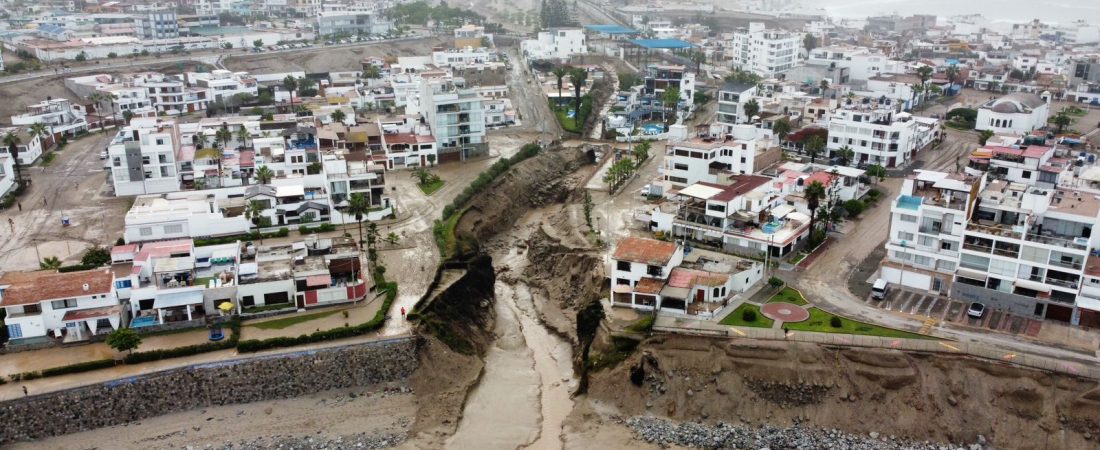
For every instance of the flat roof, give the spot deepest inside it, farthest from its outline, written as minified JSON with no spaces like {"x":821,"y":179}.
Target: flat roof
{"x":646,"y":251}
{"x":662,"y":43}
{"x":611,"y":29}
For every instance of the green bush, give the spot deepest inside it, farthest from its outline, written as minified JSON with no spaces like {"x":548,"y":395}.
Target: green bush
{"x":79,"y":367}
{"x":748,"y":315}
{"x":255,"y":345}
{"x":854,"y":207}
{"x":835,"y":322}
{"x":775,"y":282}
{"x":76,"y":268}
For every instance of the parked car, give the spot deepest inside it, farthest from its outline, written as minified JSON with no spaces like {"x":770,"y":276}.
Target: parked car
{"x":976,"y":310}
{"x":103,"y":154}
{"x":880,"y":289}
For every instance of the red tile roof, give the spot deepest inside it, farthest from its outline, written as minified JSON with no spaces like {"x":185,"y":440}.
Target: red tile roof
{"x":740,"y":185}
{"x":649,"y":286}
{"x":35,"y":287}
{"x":825,"y":178}
{"x":646,"y":251}
{"x":689,"y":278}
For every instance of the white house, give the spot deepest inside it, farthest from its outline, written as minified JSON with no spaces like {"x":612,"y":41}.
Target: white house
{"x":689,"y":162}
{"x":878,"y":132}
{"x":558,"y":45}
{"x":1017,"y":113}
{"x":69,"y":307}
{"x":639,"y":268}
{"x":29,"y":150}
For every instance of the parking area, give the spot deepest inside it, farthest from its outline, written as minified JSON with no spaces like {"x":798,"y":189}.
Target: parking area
{"x":939,"y":308}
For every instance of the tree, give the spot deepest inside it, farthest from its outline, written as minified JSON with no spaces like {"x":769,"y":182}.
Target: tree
{"x":671,"y":97}
{"x":815,"y":192}
{"x":82,"y":57}
{"x":372,"y":242}
{"x":814,"y":145}
{"x":560,"y":72}
{"x":952,"y":73}
{"x":96,"y":256}
{"x":372,"y":72}
{"x":752,"y":108}
{"x":127,"y":116}
{"x":578,"y":76}
{"x":1062,"y":120}
{"x":358,"y":206}
{"x":49,"y":263}
{"x":242,"y":135}
{"x":809,"y":42}
{"x":124,"y":340}
{"x":290,"y":84}
{"x":781,"y":128}
{"x":94,"y":98}
{"x":824,"y":85}
{"x":984,"y":136}
{"x":587,"y":209}
{"x":876,"y":172}
{"x":338,"y":116}
{"x":641,"y":151}
{"x":253,"y":211}
{"x":40,"y":130}
{"x":258,"y":43}
{"x":393,"y":238}
{"x":924,"y":74}
{"x":223,"y":135}
{"x":13,"y":142}
{"x":264,"y":175}
{"x":917,"y":90}
{"x":847,"y":154}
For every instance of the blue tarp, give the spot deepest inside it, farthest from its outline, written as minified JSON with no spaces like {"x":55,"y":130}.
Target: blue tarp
{"x":611,"y":29}
{"x":661,"y":43}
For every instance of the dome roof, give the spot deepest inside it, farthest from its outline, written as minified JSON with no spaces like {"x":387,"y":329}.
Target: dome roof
{"x":1014,"y":103}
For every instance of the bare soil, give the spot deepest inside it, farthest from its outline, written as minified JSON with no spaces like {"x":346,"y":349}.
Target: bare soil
{"x":328,"y":59}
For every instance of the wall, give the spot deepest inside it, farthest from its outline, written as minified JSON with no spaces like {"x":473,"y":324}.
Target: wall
{"x":1015,"y":304}
{"x":206,"y":385}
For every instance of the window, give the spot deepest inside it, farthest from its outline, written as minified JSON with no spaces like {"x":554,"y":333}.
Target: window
{"x":122,"y":284}
{"x":655,"y":271}
{"x":173,"y":229}
{"x":145,"y":231}
{"x":62,"y":304}
{"x":32,"y":309}
{"x":908,"y":218}
{"x":623,"y":265}
{"x":905,"y":236}
{"x":15,"y":331}
{"x":1026,"y":175}
{"x":679,"y":166}
{"x":717,"y":293}
{"x":622,"y":282}
{"x":922,"y":260}
{"x":927,"y":241}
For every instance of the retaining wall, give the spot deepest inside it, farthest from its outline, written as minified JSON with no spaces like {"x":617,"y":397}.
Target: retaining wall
{"x":206,"y":385}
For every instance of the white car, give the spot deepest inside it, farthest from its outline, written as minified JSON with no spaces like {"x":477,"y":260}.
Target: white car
{"x":103,"y":154}
{"x":977,"y":310}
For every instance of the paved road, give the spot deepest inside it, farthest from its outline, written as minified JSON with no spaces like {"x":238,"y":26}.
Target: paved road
{"x":832,"y":269}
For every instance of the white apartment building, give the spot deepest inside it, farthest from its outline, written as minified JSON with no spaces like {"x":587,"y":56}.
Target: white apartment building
{"x":1017,"y":113}
{"x":927,"y":222}
{"x":708,"y":160}
{"x":185,"y":215}
{"x":59,"y":114}
{"x":732,"y":97}
{"x":157,"y":24}
{"x":351,"y":23}
{"x":29,"y":150}
{"x":556,"y":45}
{"x":142,"y":157}
{"x":878,"y":132}
{"x":7,"y":174}
{"x":68,"y":307}
{"x":223,"y":84}
{"x":862,"y":63}
{"x":456,"y":117}
{"x":764,"y":52}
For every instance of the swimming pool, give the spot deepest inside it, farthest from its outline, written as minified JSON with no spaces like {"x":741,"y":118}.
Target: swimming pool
{"x":143,"y":321}
{"x":772,"y":227}
{"x":651,"y":129}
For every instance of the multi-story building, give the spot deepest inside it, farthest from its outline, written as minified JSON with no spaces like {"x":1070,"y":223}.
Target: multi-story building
{"x":142,"y":157}
{"x":732,"y":98}
{"x":186,"y":215}
{"x":1017,"y":113}
{"x":223,"y":84}
{"x":660,"y":78}
{"x":456,"y":118}
{"x":29,"y":149}
{"x":878,"y":132}
{"x":68,"y":307}
{"x":708,"y":160}
{"x":928,"y":219}
{"x":862,"y":63}
{"x":639,"y":268}
{"x":764,"y":52}
{"x":472,"y":36}
{"x":59,"y":114}
{"x":7,"y":174}
{"x":897,"y":24}
{"x":157,"y":24}
{"x":555,"y":45}
{"x":352,"y":23}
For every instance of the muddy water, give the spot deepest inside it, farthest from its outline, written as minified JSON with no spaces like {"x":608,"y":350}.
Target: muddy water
{"x":523,"y":397}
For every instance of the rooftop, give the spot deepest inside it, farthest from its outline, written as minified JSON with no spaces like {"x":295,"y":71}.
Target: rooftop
{"x":646,"y":251}
{"x":611,"y":29}
{"x":34,"y":287}
{"x":662,"y":44}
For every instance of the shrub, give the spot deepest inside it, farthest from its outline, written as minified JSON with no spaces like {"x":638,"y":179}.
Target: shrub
{"x":96,"y":256}
{"x":748,"y":315}
{"x":76,"y":268}
{"x":775,"y":282}
{"x":79,"y":367}
{"x":854,"y":207}
{"x":835,"y":322}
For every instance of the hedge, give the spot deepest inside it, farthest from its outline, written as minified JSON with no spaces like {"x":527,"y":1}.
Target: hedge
{"x":323,"y":228}
{"x":79,"y":367}
{"x":76,"y":268}
{"x":189,"y":350}
{"x":251,"y":236}
{"x":255,"y":345}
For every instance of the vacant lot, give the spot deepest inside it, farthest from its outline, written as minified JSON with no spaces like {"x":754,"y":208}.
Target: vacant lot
{"x":328,"y":59}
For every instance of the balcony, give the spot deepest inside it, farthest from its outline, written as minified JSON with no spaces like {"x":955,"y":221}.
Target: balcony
{"x":994,"y":229}
{"x":1066,"y":264}
{"x":977,"y":247}
{"x":1062,"y":283}
{"x":1057,"y":241}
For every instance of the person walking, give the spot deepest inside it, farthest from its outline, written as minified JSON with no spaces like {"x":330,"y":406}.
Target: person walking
{"x":402,"y":312}
{"x":25,"y":391}
{"x":20,"y":205}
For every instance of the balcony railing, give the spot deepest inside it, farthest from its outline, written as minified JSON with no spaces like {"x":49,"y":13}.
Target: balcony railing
{"x":1062,"y":283}
{"x":996,"y":230}
{"x":1066,"y":264}
{"x":1056,"y":241}
{"x":977,"y":248}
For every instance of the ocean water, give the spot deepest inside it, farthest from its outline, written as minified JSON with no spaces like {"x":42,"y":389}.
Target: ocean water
{"x":1058,"y":11}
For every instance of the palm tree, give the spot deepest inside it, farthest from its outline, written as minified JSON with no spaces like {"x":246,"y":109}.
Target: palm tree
{"x":49,"y":263}
{"x":781,"y":128}
{"x":876,"y":172}
{"x":1062,"y":120}
{"x":671,"y":97}
{"x":338,"y":116}
{"x":40,"y":130}
{"x":290,"y":84}
{"x":847,"y":154}
{"x":641,"y":151}
{"x":560,"y":72}
{"x":358,"y":206}
{"x":814,"y":145}
{"x":814,"y":193}
{"x":94,"y":98}
{"x":127,"y":116}
{"x":13,"y":141}
{"x":264,"y":175}
{"x":917,"y":89}
{"x":578,"y":76}
{"x":199,"y":139}
{"x":752,"y":108}
{"x":243,"y":135}
{"x":223,"y":135}
{"x":253,"y":211}
{"x":372,"y":72}
{"x":952,"y":73}
{"x":924,"y":74}
{"x":824,"y":86}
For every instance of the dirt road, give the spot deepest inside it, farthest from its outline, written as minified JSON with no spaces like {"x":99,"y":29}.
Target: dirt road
{"x":74,"y":185}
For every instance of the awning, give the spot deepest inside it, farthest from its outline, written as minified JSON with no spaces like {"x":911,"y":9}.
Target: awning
{"x":178,"y":299}
{"x":1026,"y":284}
{"x":781,"y":211}
{"x":700,"y":191}
{"x":972,"y":274}
{"x":1090,"y":304}
{"x":91,"y":313}
{"x":318,"y":280}
{"x":675,"y":292}
{"x":248,"y":269}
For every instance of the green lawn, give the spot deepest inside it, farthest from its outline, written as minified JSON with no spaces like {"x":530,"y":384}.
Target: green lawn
{"x":735,"y":318}
{"x":272,"y":307}
{"x":48,"y":158}
{"x":798,"y":258}
{"x":203,"y":281}
{"x":445,"y":235}
{"x":279,"y":324}
{"x":567,"y":123}
{"x":819,"y":322}
{"x":430,"y":188}
{"x":788,"y":295}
